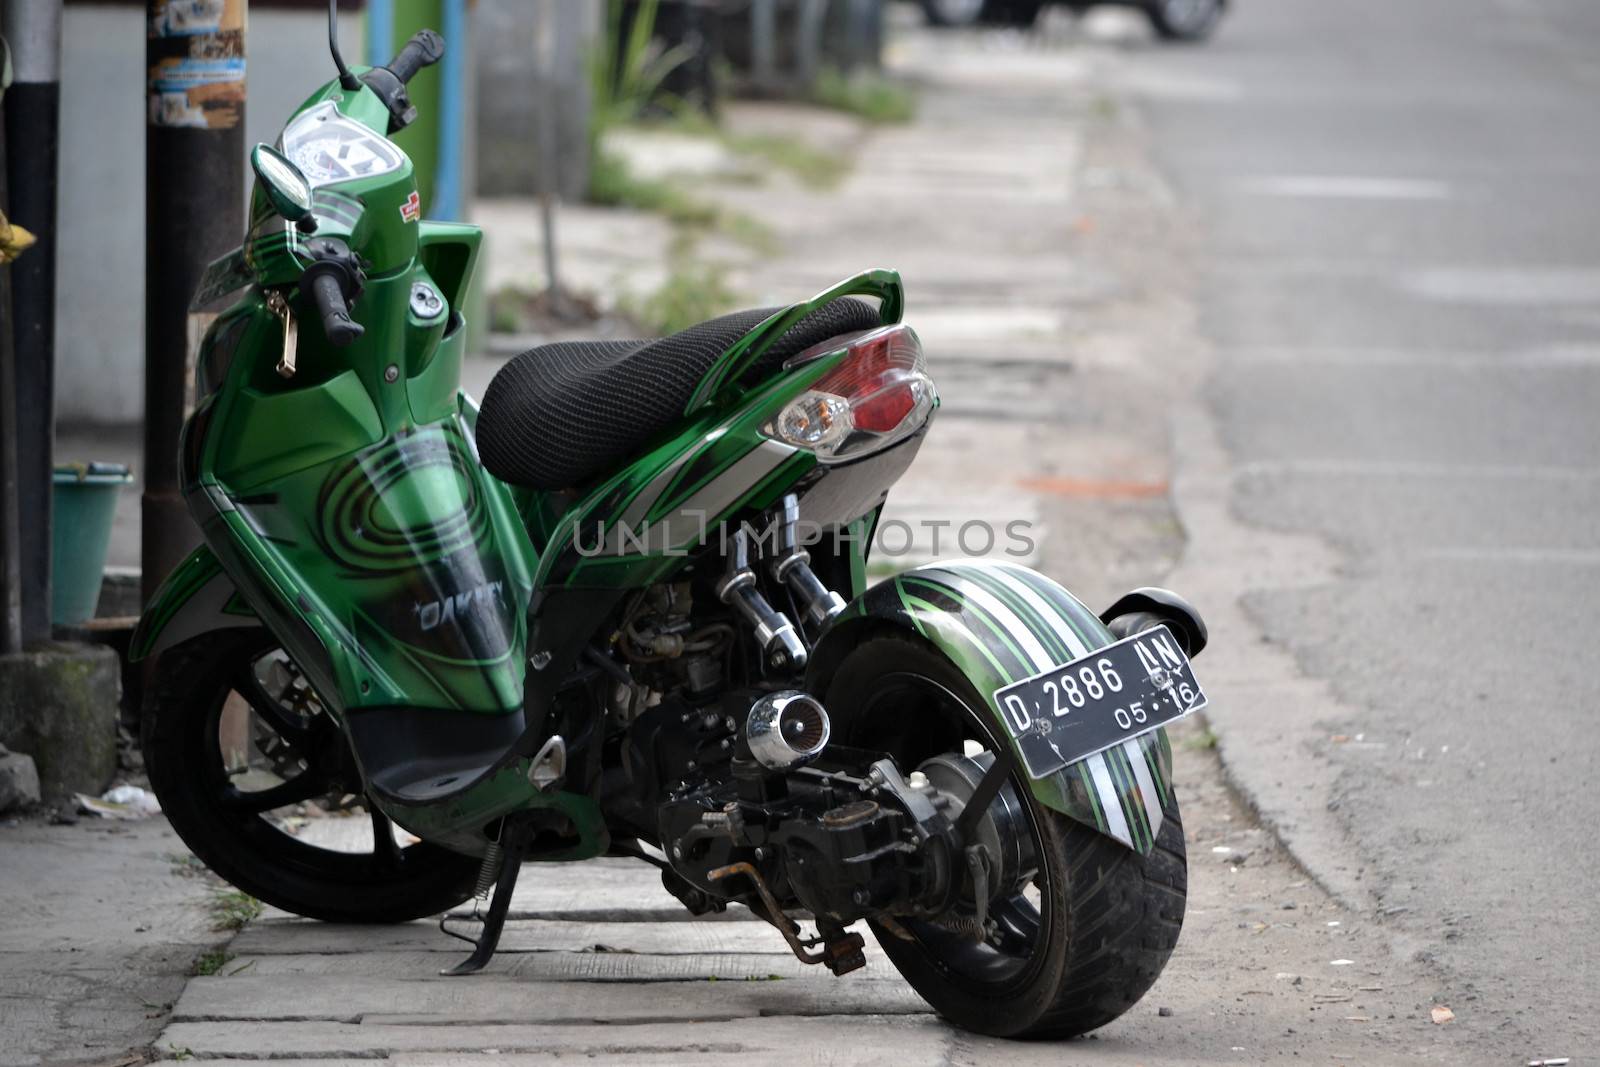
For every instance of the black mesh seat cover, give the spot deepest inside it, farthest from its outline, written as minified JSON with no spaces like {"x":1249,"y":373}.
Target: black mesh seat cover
{"x":559,"y":415}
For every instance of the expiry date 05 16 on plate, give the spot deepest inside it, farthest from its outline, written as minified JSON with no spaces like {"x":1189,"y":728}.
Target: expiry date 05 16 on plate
{"x":1073,"y":711}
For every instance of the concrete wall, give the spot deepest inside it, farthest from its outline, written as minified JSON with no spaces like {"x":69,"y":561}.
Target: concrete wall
{"x":100,"y":301}
{"x":518,"y":71}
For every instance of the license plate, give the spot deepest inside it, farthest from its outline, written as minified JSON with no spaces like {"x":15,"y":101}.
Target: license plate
{"x":1073,"y":711}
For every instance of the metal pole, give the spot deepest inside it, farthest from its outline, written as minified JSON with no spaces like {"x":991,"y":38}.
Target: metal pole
{"x":10,"y":553}
{"x":548,"y":165}
{"x":194,"y":172}
{"x":32,"y":119}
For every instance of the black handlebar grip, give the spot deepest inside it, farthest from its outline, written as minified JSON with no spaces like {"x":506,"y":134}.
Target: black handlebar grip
{"x":340,"y":328}
{"x":423,"y":50}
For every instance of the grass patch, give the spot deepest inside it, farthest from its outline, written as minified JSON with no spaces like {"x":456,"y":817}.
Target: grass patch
{"x":866,"y":95}
{"x":186,"y":864}
{"x":505,"y":309}
{"x":210,"y":962}
{"x":1203,"y":741}
{"x":612,"y":184}
{"x":231,"y":909}
{"x":692,"y":293}
{"x":813,"y":166}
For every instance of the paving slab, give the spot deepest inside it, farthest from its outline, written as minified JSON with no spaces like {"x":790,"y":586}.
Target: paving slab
{"x":498,"y":998}
{"x":866,"y":1040}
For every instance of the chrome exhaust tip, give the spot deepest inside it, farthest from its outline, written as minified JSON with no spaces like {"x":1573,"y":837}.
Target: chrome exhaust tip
{"x":786,"y":729}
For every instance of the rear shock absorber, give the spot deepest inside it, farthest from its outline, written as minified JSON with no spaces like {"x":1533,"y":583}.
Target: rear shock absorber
{"x":780,"y":642}
{"x":792,"y":567}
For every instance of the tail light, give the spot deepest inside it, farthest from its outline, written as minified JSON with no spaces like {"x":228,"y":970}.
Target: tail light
{"x":878,"y":395}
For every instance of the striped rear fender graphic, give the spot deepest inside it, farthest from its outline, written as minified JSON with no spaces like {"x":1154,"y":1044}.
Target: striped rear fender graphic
{"x":999,"y":623}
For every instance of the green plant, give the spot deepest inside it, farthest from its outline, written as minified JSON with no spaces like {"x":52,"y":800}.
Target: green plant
{"x":210,"y":962}
{"x":623,"y":74}
{"x":507,"y":309}
{"x":231,"y":909}
{"x":867,"y":95}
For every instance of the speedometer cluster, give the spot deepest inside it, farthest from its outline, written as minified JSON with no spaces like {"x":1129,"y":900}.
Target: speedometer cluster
{"x":329,"y":148}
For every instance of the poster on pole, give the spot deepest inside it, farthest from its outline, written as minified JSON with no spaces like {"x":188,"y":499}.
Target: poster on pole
{"x":196,"y":56}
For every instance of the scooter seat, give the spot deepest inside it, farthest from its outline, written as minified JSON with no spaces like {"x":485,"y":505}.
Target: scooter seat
{"x":560,"y":415}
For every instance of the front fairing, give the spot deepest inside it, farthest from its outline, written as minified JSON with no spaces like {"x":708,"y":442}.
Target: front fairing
{"x":347,"y":501}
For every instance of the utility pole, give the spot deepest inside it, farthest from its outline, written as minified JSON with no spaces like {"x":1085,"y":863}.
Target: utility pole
{"x":194,"y":212}
{"x":10,"y":522}
{"x":32,"y":108}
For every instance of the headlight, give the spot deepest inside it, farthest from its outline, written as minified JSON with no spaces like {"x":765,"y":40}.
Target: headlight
{"x":329,"y":148}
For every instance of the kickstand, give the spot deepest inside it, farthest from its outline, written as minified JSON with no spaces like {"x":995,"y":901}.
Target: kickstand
{"x":514,"y":840}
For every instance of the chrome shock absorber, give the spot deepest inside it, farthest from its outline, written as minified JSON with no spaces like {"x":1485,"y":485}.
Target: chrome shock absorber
{"x":780,"y":642}
{"x":792,"y":567}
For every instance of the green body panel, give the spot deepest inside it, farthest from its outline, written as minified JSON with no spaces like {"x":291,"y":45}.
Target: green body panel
{"x":999,"y":623}
{"x":182,"y":607}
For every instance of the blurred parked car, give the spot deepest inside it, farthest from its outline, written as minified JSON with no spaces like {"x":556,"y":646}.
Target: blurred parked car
{"x":1174,"y":20}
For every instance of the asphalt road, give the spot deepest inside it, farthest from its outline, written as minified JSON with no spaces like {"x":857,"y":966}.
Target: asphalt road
{"x":1398,"y":207}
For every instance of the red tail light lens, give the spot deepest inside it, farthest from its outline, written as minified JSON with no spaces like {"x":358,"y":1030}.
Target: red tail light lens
{"x":878,"y":395}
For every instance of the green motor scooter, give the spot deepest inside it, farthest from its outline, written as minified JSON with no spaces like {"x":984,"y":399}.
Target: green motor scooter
{"x":622,"y":609}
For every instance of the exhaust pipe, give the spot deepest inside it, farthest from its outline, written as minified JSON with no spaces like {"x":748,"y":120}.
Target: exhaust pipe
{"x":786,"y":729}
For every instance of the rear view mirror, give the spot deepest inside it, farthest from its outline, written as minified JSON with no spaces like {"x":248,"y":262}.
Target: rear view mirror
{"x":287,"y":189}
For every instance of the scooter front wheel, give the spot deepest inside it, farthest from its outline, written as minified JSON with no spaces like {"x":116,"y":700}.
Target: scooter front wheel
{"x":248,"y":768}
{"x":1085,"y":925}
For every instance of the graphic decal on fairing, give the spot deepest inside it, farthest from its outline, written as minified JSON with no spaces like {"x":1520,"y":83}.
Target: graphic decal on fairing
{"x":404,"y":546}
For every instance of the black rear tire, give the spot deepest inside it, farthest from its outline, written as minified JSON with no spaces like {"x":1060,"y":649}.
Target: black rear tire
{"x":184,"y":760}
{"x":1108,"y":918}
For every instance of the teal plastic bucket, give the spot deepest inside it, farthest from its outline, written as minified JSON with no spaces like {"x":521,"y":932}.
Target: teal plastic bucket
{"x":85,"y":504}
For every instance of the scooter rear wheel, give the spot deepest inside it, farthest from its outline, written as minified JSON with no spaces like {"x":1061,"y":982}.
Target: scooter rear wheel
{"x":1089,"y":926}
{"x":235,"y":810}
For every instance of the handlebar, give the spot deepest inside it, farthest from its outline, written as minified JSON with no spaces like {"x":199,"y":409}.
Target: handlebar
{"x":340,"y":328}
{"x":332,"y":282}
{"x":423,"y":50}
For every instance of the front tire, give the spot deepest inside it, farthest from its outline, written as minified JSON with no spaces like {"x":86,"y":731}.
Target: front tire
{"x":239,"y":832}
{"x":1091,"y":933}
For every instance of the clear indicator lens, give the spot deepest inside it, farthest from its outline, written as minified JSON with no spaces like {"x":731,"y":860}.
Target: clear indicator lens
{"x":815,"y":420}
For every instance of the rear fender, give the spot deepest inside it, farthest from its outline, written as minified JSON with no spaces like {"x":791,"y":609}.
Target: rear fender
{"x":999,"y":623}
{"x":197,"y":597}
